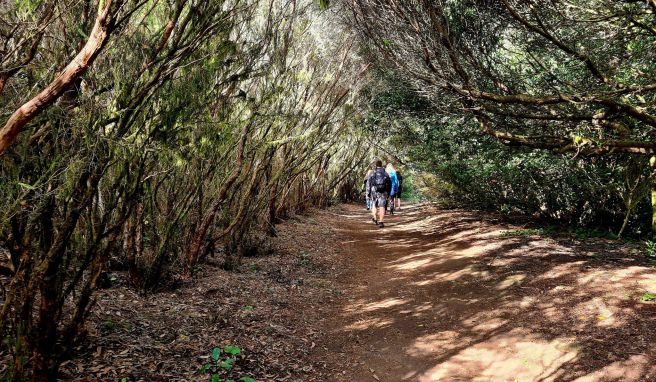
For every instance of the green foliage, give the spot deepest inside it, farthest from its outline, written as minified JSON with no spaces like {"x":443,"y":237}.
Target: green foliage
{"x":231,"y":349}
{"x":410,"y":193}
{"x":156,"y":158}
{"x":304,"y":259}
{"x":650,"y":249}
{"x":648,"y":297}
{"x":216,"y":354}
{"x":455,"y":164}
{"x":109,"y":325}
{"x":223,"y":365}
{"x":27,"y":6}
{"x":323,"y":4}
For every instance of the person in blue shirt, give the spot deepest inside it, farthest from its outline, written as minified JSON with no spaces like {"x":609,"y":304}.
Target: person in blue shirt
{"x":395,"y":186}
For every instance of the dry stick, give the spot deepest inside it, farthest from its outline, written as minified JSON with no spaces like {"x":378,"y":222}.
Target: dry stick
{"x":76,"y":68}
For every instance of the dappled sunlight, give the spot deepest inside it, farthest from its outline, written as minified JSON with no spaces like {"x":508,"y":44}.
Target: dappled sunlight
{"x":648,"y":283}
{"x":418,"y":309}
{"x":413,"y":264}
{"x":559,"y":271}
{"x":372,"y":323}
{"x":514,"y":356}
{"x":370,"y":307}
{"x":452,"y":276}
{"x":490,"y":325}
{"x":633,"y":369}
{"x":630,"y":272}
{"x":457,"y":302}
{"x":434,"y":344}
{"x":510,"y":281}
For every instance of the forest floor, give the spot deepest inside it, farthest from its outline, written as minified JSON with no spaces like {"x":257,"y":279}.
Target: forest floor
{"x":437,"y":295}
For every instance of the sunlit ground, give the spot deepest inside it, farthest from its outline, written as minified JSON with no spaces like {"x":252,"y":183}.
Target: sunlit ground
{"x":448,"y":298}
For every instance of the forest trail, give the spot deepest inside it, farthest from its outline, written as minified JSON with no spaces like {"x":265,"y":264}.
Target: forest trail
{"x":447,"y":296}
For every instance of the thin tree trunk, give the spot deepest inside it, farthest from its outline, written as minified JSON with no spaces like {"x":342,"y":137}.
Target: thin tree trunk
{"x":201,"y":231}
{"x":652,"y":181}
{"x":76,"y":68}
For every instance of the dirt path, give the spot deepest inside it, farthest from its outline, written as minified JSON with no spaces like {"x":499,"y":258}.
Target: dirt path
{"x":444,"y":296}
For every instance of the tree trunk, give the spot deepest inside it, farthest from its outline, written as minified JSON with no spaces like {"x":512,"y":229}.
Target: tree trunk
{"x":76,"y":68}
{"x":652,"y":181}
{"x":201,"y":231}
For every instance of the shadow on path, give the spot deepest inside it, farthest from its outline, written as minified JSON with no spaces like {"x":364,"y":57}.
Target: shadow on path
{"x":442,"y":296}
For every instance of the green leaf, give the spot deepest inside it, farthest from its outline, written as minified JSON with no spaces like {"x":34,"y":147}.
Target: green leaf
{"x":26,"y":186}
{"x":247,"y":379}
{"x":124,"y":379}
{"x":216,"y":378}
{"x":234,"y":350}
{"x":204,"y":368}
{"x":216,"y":353}
{"x":648,"y":297}
{"x":227,"y":364}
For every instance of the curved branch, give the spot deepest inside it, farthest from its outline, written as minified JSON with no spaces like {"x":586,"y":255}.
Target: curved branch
{"x":75,"y":69}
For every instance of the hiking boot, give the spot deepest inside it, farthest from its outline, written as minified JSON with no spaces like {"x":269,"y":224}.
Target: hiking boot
{"x":375,"y":221}
{"x":381,"y":225}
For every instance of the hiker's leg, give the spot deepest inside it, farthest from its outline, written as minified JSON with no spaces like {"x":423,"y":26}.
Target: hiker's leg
{"x":381,"y":212}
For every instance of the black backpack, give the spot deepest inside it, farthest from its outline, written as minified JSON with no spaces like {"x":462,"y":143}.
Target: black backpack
{"x":381,"y":181}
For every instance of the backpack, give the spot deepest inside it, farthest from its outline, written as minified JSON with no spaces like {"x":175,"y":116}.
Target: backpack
{"x":381,"y":181}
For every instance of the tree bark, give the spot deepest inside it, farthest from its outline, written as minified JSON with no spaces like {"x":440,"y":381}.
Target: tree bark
{"x":75,"y":69}
{"x":652,"y":173}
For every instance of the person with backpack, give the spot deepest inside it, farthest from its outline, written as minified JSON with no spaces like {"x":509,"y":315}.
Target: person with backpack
{"x":394,"y":189}
{"x":400,"y":190}
{"x":380,"y":186}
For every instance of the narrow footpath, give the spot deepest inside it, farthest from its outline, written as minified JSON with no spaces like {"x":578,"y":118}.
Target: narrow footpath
{"x":456,"y":296}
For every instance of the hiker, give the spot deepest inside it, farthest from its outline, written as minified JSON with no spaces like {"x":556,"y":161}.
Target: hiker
{"x":380,"y":186}
{"x":367,"y":189}
{"x":400,"y":190}
{"x":394,"y":189}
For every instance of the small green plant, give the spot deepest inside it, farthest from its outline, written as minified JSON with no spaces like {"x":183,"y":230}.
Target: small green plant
{"x":304,"y":259}
{"x":222,"y":367}
{"x":650,"y":249}
{"x":249,"y":308}
{"x":109,"y":325}
{"x":648,"y":297}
